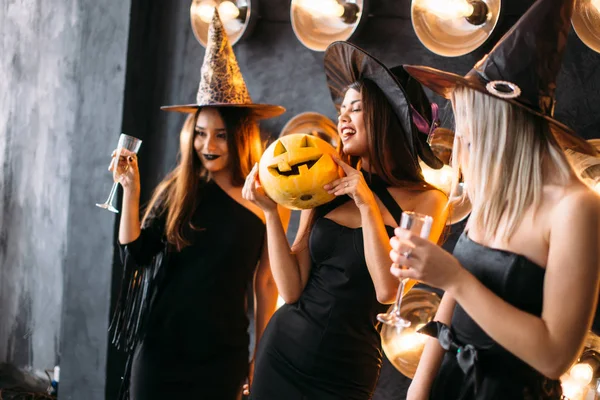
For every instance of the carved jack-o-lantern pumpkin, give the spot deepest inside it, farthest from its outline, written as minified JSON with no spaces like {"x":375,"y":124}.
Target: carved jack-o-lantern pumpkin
{"x":294,"y":169}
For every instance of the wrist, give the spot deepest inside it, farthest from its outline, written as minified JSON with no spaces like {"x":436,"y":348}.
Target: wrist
{"x":131,"y":195}
{"x":461,"y":280}
{"x":271,"y":213}
{"x":368,"y":208}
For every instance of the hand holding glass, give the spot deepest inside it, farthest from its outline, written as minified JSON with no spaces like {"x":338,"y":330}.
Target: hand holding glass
{"x":125,"y":142}
{"x":421,"y":225}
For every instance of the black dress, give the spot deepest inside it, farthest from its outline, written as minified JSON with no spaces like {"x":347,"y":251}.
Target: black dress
{"x":327,"y":346}
{"x":475,"y":366}
{"x":195,"y":343}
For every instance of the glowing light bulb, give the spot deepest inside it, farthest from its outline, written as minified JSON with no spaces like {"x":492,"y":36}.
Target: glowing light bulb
{"x":448,"y":9}
{"x":596,"y":3}
{"x":440,"y":178}
{"x":322,"y":8}
{"x":412,"y":341}
{"x":228,"y":11}
{"x":572,"y":390}
{"x":204,"y":10}
{"x":582,"y":373}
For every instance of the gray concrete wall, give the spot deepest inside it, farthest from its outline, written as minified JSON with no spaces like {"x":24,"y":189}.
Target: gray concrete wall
{"x":61,"y":95}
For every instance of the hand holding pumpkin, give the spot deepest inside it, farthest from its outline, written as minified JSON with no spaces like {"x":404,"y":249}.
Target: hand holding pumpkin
{"x":353,"y":184}
{"x":254,"y":192}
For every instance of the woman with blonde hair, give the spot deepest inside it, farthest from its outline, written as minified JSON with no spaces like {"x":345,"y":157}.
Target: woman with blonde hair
{"x":182,"y":312}
{"x":522,"y":283}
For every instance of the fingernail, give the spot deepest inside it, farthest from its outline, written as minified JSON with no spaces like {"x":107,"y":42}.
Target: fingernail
{"x":326,"y":187}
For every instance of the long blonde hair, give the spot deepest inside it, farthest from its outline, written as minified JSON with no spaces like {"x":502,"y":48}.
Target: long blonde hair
{"x":508,"y":151}
{"x":178,"y":195}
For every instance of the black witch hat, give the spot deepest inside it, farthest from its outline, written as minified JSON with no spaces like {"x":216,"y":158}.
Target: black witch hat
{"x":346,"y":63}
{"x":521,"y":69}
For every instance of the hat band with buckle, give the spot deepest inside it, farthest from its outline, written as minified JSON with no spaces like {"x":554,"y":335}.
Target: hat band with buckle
{"x":503,"y":89}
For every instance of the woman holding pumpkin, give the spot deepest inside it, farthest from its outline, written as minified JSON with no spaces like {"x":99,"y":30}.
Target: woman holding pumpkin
{"x":522,"y":283}
{"x":324,"y":344}
{"x":182,"y":312}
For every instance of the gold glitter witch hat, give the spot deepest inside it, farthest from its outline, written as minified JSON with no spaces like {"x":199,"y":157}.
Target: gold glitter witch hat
{"x":221,"y":81}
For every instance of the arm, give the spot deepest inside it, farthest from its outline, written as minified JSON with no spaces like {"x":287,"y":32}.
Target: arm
{"x":435,"y":204}
{"x":265,"y":290}
{"x":551,"y":343}
{"x":265,"y":295}
{"x":129,"y":178}
{"x":290,"y":266}
{"x":290,"y":269}
{"x":377,"y":242}
{"x":432,"y":355}
{"x":141,"y":244}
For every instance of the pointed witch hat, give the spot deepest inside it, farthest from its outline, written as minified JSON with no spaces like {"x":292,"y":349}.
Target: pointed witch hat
{"x":424,"y":116}
{"x":221,"y":81}
{"x":521,"y":69}
{"x":346,"y":63}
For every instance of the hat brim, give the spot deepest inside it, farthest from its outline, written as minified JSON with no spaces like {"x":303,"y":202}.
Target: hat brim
{"x":258,"y":111}
{"x":444,"y":83}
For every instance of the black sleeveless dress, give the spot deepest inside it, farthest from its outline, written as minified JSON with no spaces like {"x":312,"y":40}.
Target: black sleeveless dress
{"x":195,"y":344}
{"x":327,"y":346}
{"x":475,"y":366}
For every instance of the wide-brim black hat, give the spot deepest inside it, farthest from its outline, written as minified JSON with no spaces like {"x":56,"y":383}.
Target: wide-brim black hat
{"x":521,"y":69}
{"x":346,"y":63}
{"x":221,"y":81}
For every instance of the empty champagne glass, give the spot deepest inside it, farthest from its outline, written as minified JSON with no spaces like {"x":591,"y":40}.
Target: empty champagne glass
{"x":421,"y":225}
{"x":125,"y":142}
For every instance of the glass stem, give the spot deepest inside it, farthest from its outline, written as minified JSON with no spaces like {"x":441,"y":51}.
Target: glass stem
{"x":399,"y":296}
{"x":113,"y":190}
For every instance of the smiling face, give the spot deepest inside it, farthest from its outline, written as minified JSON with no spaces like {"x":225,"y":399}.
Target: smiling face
{"x":351,"y":125}
{"x":210,"y":140}
{"x":294,"y":169}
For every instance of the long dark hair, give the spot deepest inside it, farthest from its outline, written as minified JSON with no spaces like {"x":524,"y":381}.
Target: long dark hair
{"x":389,"y":155}
{"x":178,"y":195}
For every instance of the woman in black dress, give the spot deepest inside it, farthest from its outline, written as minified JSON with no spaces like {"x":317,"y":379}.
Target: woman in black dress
{"x":521,"y":288}
{"x":183,"y":309}
{"x":324,"y":343}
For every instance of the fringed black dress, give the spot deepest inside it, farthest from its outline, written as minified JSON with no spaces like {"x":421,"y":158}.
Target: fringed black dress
{"x":192,"y":336}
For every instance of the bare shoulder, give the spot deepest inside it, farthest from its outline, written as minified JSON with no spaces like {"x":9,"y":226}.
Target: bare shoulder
{"x":432,"y":196}
{"x":576,"y":216}
{"x":579,"y":201}
{"x":410,"y":199}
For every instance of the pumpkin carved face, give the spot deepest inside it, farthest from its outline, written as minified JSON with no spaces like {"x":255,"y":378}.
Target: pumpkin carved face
{"x":294,"y":169}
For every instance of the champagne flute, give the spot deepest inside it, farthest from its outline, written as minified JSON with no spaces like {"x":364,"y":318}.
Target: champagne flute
{"x":125,"y":142}
{"x":421,"y":225}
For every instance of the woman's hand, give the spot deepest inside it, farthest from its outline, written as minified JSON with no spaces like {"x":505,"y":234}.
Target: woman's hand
{"x":353,"y":184}
{"x":423,"y":260}
{"x":126,"y":171}
{"x":254,"y":192}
